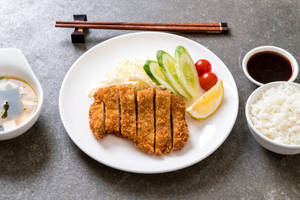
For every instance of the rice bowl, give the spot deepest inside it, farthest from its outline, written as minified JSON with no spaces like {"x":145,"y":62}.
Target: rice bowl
{"x":262,"y":120}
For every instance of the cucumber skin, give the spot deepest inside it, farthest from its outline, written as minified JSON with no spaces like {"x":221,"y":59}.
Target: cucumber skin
{"x":178,"y":52}
{"x":149,"y":73}
{"x":159,"y":57}
{"x":151,"y":76}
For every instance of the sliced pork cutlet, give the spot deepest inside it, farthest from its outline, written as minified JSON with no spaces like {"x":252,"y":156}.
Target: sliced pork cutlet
{"x":163,"y":137}
{"x":145,"y":116}
{"x":128,"y":112}
{"x":180,"y":129}
{"x":111,"y":102}
{"x":98,"y":95}
{"x":96,"y":116}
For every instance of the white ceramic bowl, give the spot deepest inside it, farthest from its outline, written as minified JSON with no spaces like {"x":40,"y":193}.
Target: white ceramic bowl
{"x":13,"y":63}
{"x":259,"y":137}
{"x":281,"y":51}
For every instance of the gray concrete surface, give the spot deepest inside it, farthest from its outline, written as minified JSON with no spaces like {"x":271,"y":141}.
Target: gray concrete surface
{"x":45,"y":164}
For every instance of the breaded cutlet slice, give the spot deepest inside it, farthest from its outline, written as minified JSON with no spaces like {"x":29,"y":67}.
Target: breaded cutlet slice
{"x":96,"y":116}
{"x":163,"y":138}
{"x":110,"y":99}
{"x":145,"y":115}
{"x":128,"y":112}
{"x":180,"y":129}
{"x":98,"y":95}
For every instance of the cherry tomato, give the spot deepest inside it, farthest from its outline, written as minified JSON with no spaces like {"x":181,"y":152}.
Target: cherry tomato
{"x":208,"y":80}
{"x":203,"y":66}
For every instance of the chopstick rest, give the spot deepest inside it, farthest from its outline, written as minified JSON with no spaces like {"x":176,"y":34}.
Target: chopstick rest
{"x":78,"y":35}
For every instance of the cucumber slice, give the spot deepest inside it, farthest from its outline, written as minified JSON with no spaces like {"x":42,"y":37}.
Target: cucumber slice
{"x":187,"y":73}
{"x":167,"y":64}
{"x":155,"y":73}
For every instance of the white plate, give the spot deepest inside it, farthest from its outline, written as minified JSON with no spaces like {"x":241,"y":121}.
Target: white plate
{"x":205,"y":135}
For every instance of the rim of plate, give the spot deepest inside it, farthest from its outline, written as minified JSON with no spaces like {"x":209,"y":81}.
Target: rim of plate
{"x":158,"y":171}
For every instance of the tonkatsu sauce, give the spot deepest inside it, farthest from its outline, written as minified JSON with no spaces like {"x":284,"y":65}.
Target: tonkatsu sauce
{"x":269,"y":66}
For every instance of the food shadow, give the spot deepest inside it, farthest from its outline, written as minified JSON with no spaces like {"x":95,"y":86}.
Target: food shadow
{"x":95,"y":37}
{"x":25,"y":155}
{"x":286,"y":167}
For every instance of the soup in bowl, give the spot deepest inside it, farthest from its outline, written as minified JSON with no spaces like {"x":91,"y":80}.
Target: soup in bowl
{"x":18,"y":101}
{"x":21,"y":94}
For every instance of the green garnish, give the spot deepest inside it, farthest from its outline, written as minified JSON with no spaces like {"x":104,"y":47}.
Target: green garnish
{"x":5,"y":107}
{"x":177,"y":74}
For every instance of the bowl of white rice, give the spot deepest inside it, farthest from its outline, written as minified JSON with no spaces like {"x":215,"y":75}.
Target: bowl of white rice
{"x":273,"y":116}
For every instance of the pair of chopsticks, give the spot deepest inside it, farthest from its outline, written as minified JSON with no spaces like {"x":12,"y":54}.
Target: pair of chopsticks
{"x":217,"y":27}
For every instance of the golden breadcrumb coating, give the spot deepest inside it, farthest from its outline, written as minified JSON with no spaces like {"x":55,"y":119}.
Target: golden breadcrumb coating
{"x":152,"y":118}
{"x":180,"y":129}
{"x":96,"y":116}
{"x":163,"y":138}
{"x":128,"y":115}
{"x":145,"y":133}
{"x":98,"y":95}
{"x":110,"y":98}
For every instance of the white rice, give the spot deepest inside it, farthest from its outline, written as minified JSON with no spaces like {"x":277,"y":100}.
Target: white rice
{"x":276,"y":114}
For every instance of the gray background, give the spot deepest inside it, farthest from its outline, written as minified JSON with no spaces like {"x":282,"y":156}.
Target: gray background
{"x":45,"y":164}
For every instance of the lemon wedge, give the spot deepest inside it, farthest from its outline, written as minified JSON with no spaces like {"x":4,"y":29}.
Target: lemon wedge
{"x":208,"y":103}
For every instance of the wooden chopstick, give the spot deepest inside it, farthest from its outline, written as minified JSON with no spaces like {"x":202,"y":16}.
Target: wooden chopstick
{"x":200,"y":24}
{"x":173,"y":27}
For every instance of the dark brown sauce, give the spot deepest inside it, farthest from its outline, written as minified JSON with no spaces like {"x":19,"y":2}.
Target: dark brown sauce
{"x":269,"y":66}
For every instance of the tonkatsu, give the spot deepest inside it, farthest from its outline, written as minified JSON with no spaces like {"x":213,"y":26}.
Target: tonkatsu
{"x":180,"y":129}
{"x":128,"y":112}
{"x":152,"y":118}
{"x":96,"y":115}
{"x":145,"y":133}
{"x":110,"y":99}
{"x":163,"y":122}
